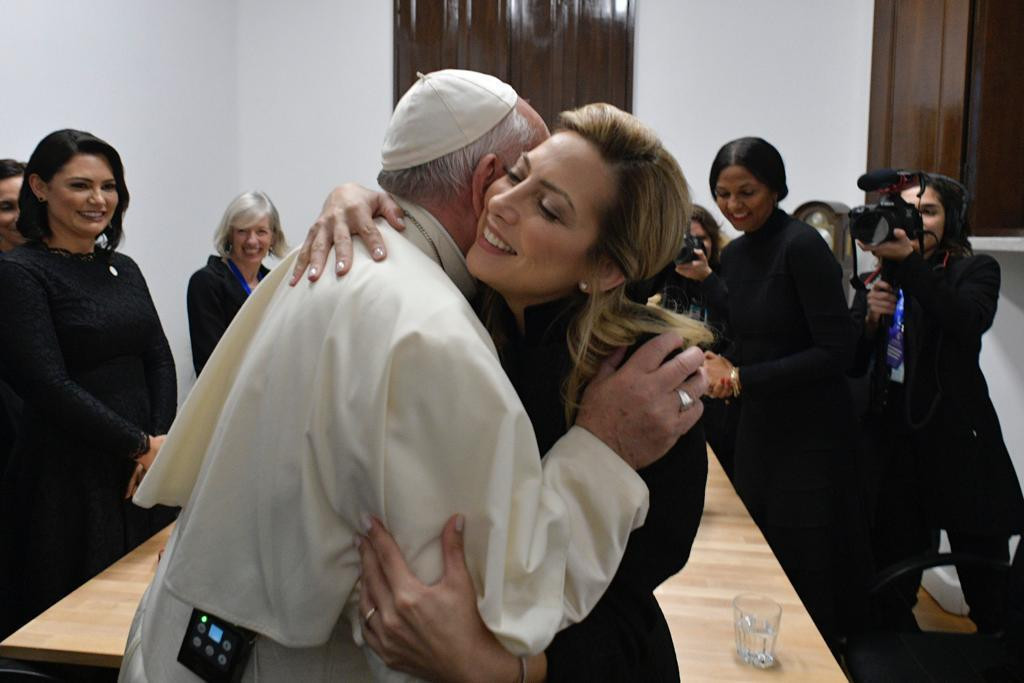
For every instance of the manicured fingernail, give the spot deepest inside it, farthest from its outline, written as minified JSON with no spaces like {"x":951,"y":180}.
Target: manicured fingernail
{"x":340,"y":266}
{"x":401,"y":221}
{"x":312,"y":271}
{"x":364,"y":520}
{"x":378,"y":253}
{"x":460,"y":523}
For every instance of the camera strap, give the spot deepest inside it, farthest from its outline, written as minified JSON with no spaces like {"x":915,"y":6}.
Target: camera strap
{"x":855,"y":281}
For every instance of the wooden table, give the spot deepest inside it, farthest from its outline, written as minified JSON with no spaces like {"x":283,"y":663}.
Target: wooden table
{"x":730,"y":556}
{"x":90,"y":626}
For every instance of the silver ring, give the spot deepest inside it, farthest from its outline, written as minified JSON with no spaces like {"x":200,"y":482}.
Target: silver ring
{"x":369,"y":614}
{"x":685,"y":400}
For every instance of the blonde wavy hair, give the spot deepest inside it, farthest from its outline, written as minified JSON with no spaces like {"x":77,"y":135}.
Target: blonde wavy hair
{"x":641,"y":231}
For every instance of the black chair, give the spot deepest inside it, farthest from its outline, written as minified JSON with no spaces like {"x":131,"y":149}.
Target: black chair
{"x":908,"y":657}
{"x":13,"y":671}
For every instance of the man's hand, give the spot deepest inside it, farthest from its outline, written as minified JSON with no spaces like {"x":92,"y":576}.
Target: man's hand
{"x":637,"y":410}
{"x":348,"y":210}
{"x":433,"y":632}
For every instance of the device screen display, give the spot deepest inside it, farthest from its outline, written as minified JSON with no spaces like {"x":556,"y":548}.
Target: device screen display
{"x":216,"y":633}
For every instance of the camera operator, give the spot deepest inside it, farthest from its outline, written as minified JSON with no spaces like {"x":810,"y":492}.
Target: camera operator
{"x":933,"y":438}
{"x":683,"y":293}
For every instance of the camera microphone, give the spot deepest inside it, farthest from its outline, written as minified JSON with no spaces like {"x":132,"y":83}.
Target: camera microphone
{"x":882,"y":177}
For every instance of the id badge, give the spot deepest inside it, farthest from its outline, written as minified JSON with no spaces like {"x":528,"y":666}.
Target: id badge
{"x":895,"y":347}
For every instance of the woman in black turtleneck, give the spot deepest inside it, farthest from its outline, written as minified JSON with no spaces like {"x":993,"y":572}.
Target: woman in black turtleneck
{"x":780,"y":289}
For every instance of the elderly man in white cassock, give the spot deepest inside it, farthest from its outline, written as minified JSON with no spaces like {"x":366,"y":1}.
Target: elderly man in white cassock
{"x":381,"y":395}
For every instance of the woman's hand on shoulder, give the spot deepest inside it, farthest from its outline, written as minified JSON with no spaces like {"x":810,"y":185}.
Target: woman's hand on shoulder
{"x":434,"y":631}
{"x":697,"y":269}
{"x":348,"y":210}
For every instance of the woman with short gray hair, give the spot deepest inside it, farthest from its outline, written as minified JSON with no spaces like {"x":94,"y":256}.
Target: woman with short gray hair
{"x":249,"y":230}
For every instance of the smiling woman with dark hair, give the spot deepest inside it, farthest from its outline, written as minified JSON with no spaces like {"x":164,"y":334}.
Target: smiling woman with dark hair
{"x":83,"y":346}
{"x":792,"y":340}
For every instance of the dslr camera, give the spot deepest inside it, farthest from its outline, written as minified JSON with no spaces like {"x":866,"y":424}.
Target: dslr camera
{"x":690,"y":244}
{"x":873,"y":224}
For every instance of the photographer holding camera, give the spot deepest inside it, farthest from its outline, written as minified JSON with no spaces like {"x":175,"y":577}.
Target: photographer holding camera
{"x":933,"y":439}
{"x":683,"y":292}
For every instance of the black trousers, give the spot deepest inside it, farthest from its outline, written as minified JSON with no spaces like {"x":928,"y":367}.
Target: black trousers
{"x":902,"y":530}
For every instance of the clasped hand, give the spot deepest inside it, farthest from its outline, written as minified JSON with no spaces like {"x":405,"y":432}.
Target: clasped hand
{"x":142,"y":465}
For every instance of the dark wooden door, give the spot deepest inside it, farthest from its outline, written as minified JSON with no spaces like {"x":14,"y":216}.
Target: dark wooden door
{"x":558,"y":54}
{"x":993,"y":166}
{"x":946,"y":96}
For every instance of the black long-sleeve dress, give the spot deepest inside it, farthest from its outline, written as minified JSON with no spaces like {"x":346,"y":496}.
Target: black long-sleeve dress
{"x":83,"y":346}
{"x":935,"y":445}
{"x":213,"y":299}
{"x":795,"y":466}
{"x":625,"y":637}
{"x":10,"y":418}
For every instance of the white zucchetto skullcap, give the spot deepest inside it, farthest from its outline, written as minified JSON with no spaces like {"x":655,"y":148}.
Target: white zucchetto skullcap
{"x":443,"y":111}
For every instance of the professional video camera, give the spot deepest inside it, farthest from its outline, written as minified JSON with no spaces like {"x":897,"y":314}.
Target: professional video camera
{"x":686,"y":255}
{"x":874,"y":223}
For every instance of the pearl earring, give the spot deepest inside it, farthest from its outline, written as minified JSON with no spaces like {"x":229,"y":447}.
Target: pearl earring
{"x":584,"y":287}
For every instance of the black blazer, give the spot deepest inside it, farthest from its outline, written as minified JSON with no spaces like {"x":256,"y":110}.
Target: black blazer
{"x":214,"y":297}
{"x":948,"y":307}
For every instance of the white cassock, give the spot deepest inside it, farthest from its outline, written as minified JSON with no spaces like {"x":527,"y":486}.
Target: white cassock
{"x":379,"y":393}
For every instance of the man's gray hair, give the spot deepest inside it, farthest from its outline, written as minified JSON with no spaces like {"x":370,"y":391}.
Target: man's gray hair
{"x":445,"y":177}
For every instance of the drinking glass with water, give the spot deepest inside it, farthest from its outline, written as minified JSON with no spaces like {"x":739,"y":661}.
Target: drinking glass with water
{"x":757,"y":626}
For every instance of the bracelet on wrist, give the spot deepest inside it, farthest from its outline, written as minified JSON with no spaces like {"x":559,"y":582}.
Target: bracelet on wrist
{"x":734,"y":380}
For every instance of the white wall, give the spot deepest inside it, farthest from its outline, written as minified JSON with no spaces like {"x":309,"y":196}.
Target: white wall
{"x":156,"y":80}
{"x":206,"y":99}
{"x":794,"y":72}
{"x":314,"y":80}
{"x":203,"y":100}
{"x":1002,"y":357}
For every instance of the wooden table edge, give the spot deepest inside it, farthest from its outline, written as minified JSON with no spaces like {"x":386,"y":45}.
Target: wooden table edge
{"x":79,"y":658}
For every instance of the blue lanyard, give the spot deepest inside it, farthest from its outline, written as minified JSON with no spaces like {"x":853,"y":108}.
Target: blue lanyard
{"x":894,"y":349}
{"x":241,"y":278}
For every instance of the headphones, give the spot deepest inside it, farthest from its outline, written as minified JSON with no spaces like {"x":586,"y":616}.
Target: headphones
{"x":955,"y":222}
